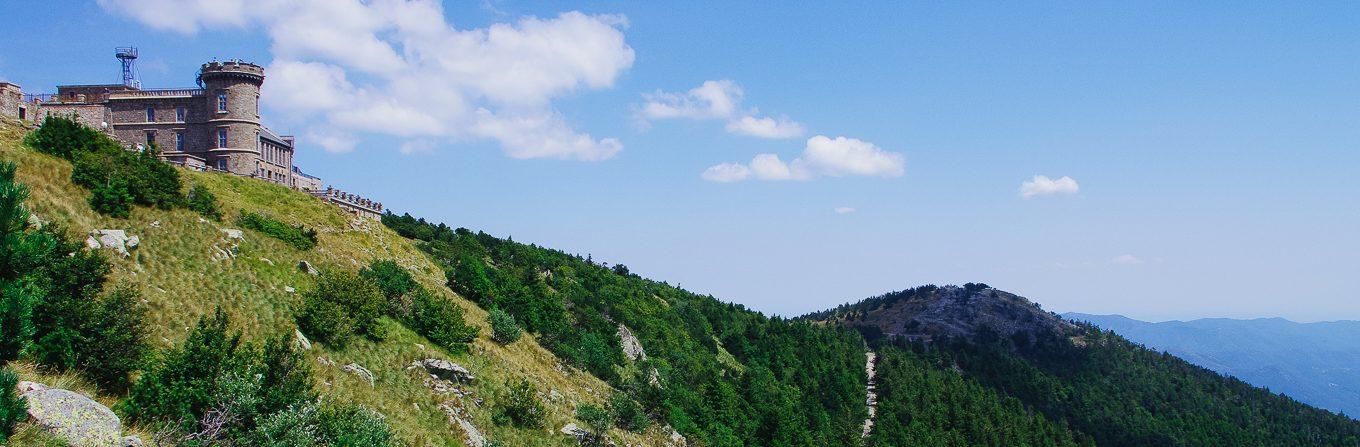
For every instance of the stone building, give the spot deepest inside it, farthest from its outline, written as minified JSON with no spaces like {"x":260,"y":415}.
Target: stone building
{"x":215,"y":126}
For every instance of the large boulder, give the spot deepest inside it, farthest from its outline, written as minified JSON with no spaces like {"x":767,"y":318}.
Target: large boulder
{"x":116,"y":240}
{"x":445,"y":369}
{"x":73,"y":417}
{"x":306,"y":267}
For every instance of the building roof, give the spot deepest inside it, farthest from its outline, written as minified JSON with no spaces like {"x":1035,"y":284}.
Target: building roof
{"x":271,"y":136}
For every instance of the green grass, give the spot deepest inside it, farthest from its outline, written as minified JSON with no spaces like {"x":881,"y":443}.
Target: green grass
{"x":179,"y":278}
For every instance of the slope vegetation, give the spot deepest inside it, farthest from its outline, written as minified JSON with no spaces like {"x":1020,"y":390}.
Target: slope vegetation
{"x":186,"y":266}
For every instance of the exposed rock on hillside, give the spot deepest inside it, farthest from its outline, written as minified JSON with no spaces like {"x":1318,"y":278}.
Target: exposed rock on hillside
{"x":632,"y":347}
{"x":116,"y":240}
{"x":930,"y":312}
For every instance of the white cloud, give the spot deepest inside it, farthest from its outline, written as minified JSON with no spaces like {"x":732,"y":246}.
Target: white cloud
{"x":1126,"y":259}
{"x":719,"y":99}
{"x":1044,"y":186}
{"x":726,"y":173}
{"x":844,"y":210}
{"x":766,"y":127}
{"x":331,"y":140}
{"x":399,"y":68}
{"x":824,"y":157}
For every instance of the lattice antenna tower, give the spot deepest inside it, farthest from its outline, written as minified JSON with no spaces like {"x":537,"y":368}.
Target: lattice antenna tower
{"x":128,"y":56}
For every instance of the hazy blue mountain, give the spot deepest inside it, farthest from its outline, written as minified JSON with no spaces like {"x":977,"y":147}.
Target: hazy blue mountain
{"x":1316,"y":363}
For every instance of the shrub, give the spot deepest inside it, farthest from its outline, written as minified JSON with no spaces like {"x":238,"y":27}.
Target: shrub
{"x":503,"y":327}
{"x":470,"y":279}
{"x":185,"y":383}
{"x":285,"y":375}
{"x":115,"y":341}
{"x":111,"y":198}
{"x":204,"y":202}
{"x":627,"y":413}
{"x":390,"y":278}
{"x":342,"y":304}
{"x":597,"y":421}
{"x":353,"y":426}
{"x":13,"y":409}
{"x":292,"y":427}
{"x":519,"y":405}
{"x":440,"y":320}
{"x":63,"y":136}
{"x":298,"y":236}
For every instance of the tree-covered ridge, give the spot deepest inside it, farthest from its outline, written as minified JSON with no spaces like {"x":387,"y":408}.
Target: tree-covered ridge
{"x":719,"y":373}
{"x":1100,"y":385}
{"x":923,"y":402}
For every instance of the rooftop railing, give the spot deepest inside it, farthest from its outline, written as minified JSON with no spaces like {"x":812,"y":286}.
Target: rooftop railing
{"x":152,"y":93}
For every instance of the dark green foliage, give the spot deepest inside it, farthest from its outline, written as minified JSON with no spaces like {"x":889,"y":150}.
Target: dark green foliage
{"x":52,"y":308}
{"x":114,"y":341}
{"x":352,"y":426}
{"x":597,"y":422}
{"x":117,"y":177}
{"x":13,"y":409}
{"x":426,"y":313}
{"x":784,"y":383}
{"x":297,"y":236}
{"x":265,"y":393}
{"x":189,"y":378}
{"x":518,"y":405}
{"x":626,"y":412}
{"x":203,"y":201}
{"x":391,"y":279}
{"x":503,"y":327}
{"x":439,"y":320}
{"x":922,"y":403}
{"x":341,"y":305}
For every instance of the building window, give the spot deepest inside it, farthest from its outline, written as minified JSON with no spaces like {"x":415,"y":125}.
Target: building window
{"x":180,"y":114}
{"x":179,"y":141}
{"x":221,"y":164}
{"x":221,"y":102}
{"x":150,"y":138}
{"x":150,"y":115}
{"x":221,"y":137}
{"x":23,"y":113}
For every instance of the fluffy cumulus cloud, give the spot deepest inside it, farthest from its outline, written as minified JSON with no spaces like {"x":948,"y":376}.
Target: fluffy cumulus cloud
{"x":1043,"y":186}
{"x":398,"y":68}
{"x":822,"y":157}
{"x":721,"y":99}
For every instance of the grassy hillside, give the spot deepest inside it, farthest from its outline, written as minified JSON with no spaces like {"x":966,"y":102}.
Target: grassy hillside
{"x":181,"y":274}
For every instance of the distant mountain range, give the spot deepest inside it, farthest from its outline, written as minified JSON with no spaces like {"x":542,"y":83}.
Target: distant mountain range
{"x":1316,"y":363}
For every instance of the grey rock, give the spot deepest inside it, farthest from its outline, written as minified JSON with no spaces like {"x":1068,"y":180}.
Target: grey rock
{"x":92,"y":243}
{"x":301,"y":341}
{"x":130,"y":441}
{"x":572,"y":430}
{"x":132,"y":242}
{"x":363,"y":373}
{"x":73,"y":417}
{"x":445,"y":369}
{"x":233,"y":233}
{"x":289,"y":289}
{"x":632,"y":347}
{"x":306,"y":267}
{"x":25,"y":386}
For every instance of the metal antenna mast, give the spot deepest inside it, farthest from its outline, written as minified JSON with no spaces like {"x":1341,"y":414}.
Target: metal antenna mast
{"x":128,"y":56}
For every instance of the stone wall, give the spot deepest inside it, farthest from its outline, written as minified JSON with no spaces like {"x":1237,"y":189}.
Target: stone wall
{"x":11,"y":99}
{"x":94,"y":115}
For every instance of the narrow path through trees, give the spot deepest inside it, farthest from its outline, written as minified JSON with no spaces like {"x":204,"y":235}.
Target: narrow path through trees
{"x":871,"y":398}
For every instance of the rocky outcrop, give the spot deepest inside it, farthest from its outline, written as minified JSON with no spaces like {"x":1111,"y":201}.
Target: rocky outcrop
{"x":300,"y":341}
{"x":73,"y":417}
{"x":474,"y":437}
{"x":306,"y":267}
{"x":632,"y":347}
{"x":116,"y":240}
{"x":363,"y":373}
{"x":444,"y":369}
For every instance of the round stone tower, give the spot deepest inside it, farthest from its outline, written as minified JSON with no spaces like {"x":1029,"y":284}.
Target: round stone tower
{"x":231,"y":91}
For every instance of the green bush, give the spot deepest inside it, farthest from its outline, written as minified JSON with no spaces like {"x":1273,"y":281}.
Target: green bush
{"x":186,"y":382}
{"x":627,"y":413}
{"x":20,"y":251}
{"x":115,"y":341}
{"x":519,"y":405}
{"x":292,"y":427}
{"x":299,"y":237}
{"x":341,"y":305}
{"x":118,"y":178}
{"x":203,"y":201}
{"x":503,"y":327}
{"x":440,"y":320}
{"x":260,"y":392}
{"x":353,"y":426}
{"x":13,"y":409}
{"x":598,"y":422}
{"x":390,"y":278}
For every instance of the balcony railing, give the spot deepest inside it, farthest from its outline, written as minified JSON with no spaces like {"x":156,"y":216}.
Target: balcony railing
{"x":152,"y":93}
{"x":40,"y":97}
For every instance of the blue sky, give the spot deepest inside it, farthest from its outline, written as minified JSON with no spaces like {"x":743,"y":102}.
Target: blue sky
{"x":1212,"y":149}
